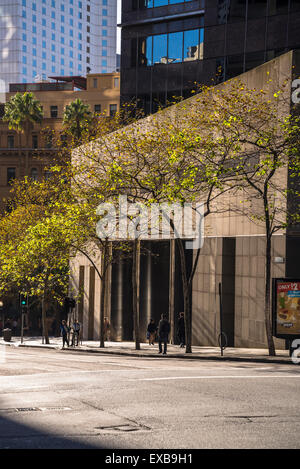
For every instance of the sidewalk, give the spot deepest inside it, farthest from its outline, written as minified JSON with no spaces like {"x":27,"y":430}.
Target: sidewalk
{"x":128,"y":349}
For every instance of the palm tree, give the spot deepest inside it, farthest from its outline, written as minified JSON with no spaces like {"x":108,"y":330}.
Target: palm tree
{"x":77,"y":118}
{"x":21,"y":112}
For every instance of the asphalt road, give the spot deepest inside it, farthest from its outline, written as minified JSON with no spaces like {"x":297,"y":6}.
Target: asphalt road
{"x":64,"y":399}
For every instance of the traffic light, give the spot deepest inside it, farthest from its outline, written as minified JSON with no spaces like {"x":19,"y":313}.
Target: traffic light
{"x":23,"y":303}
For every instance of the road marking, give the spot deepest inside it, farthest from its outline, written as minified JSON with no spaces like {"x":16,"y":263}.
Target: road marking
{"x":218,"y":377}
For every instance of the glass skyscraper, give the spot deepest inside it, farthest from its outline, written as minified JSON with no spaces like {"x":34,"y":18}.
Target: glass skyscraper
{"x":168,"y":46}
{"x":44,"y":38}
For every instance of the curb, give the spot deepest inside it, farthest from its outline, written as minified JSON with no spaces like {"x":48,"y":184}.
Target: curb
{"x":139,"y":354}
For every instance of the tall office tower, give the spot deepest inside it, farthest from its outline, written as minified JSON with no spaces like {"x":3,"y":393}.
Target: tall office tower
{"x":168,"y":45}
{"x":44,"y":38}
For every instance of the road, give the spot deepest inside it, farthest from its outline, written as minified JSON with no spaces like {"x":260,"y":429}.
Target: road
{"x":65,"y":399}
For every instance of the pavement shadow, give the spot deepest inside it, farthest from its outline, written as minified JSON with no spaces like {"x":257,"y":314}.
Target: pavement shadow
{"x":16,"y":435}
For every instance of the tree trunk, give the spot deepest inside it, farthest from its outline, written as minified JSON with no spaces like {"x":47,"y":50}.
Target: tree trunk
{"x":268,"y":323}
{"x":44,"y":320}
{"x":103,"y":292}
{"x":186,"y":298}
{"x":135,"y":306}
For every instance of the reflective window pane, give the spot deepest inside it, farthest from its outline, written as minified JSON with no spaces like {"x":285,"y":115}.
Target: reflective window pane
{"x":145,"y":51}
{"x":175,"y":41}
{"x":160,"y":49}
{"x":175,"y":1}
{"x":191,"y":48}
{"x":160,"y":3}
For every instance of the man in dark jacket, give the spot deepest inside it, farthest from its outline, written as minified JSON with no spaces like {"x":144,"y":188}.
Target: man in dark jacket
{"x":163,"y":333}
{"x":64,"y":330}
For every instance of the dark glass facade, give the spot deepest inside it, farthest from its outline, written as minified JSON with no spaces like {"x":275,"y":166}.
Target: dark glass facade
{"x":169,"y":46}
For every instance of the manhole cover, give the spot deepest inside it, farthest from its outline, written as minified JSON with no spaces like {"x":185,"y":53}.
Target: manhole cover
{"x":121,"y":428}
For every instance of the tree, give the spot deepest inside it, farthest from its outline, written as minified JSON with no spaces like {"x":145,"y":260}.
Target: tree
{"x":223,"y":141}
{"x":77,"y":119}
{"x":21,"y":112}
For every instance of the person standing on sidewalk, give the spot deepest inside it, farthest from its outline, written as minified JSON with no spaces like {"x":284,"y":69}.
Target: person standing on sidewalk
{"x":163,"y":333}
{"x":64,"y":330}
{"x":181,"y":330}
{"x":151,"y":331}
{"x":76,"y":332}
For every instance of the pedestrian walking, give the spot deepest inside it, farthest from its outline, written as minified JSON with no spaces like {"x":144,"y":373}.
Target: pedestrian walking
{"x":163,"y":333}
{"x":181,"y":330}
{"x":151,"y":331}
{"x":76,"y":332}
{"x":64,"y":330}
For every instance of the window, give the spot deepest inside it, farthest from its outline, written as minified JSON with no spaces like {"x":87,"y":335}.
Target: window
{"x":53,"y":111}
{"x":160,"y":49}
{"x":34,"y":174}
{"x":11,"y":175}
{"x":112,"y":109}
{"x":88,"y":19}
{"x":116,"y":82}
{"x":34,"y":63}
{"x":97,"y":108}
{"x":104,"y":32}
{"x":88,"y":29}
{"x":104,"y":42}
{"x":34,"y":18}
{"x":104,"y":52}
{"x":34,"y":29}
{"x":104,"y":22}
{"x":53,"y":14}
{"x":191,"y":45}
{"x":44,"y":11}
{"x":95,"y":83}
{"x":10,"y":141}
{"x":24,"y":48}
{"x":34,"y":40}
{"x":87,"y":60}
{"x":34,"y":6}
{"x":175,"y":47}
{"x":104,"y":2}
{"x":44,"y":22}
{"x":182,"y":46}
{"x":104,"y":12}
{"x":34,"y":141}
{"x":104,"y":63}
{"x":24,"y":60}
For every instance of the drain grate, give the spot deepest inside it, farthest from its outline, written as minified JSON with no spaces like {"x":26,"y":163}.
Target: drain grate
{"x":34,"y":409}
{"x":27,"y":409}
